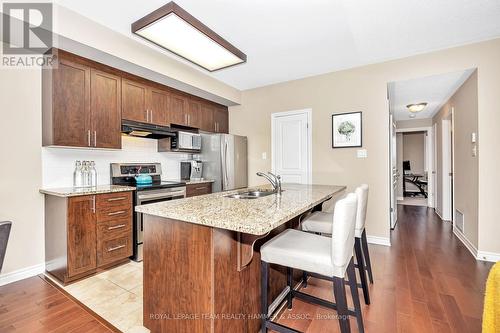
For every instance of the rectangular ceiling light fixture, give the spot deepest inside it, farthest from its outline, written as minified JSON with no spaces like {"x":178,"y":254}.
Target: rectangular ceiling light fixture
{"x":174,"y":29}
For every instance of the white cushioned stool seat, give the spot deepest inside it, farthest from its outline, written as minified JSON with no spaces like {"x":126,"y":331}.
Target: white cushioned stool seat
{"x":302,"y":250}
{"x":318,"y":222}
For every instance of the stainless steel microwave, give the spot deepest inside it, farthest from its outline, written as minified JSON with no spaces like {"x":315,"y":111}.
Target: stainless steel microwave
{"x":187,"y":142}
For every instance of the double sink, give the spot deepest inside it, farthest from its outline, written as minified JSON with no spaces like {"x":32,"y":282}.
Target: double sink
{"x":251,"y":194}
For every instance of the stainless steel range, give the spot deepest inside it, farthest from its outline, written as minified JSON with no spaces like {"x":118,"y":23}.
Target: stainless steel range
{"x":149,"y":189}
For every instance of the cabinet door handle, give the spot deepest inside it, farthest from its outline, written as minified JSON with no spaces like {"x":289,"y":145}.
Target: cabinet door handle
{"x":110,"y":249}
{"x":117,"y":199}
{"x":116,"y":226}
{"x":151,"y":112}
{"x":93,"y":204}
{"x":147,"y":115}
{"x":117,"y":213}
{"x":201,"y":188}
{"x":88,"y":137}
{"x":95,"y":138}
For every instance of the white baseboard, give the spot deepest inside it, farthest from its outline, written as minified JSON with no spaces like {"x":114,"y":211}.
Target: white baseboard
{"x":379,"y":240}
{"x":488,"y":256}
{"x":21,"y":274}
{"x":472,"y":249}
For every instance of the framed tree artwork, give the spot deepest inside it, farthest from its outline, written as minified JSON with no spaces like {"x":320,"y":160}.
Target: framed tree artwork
{"x":347,"y":130}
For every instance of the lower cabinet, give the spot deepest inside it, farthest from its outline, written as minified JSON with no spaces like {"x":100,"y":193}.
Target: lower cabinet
{"x":193,"y":190}
{"x":84,"y":234}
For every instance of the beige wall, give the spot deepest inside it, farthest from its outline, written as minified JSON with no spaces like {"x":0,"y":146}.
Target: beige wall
{"x":20,"y":142}
{"x":466,"y":167}
{"x":399,"y":164}
{"x":413,"y":151}
{"x":365,"y":89}
{"x":413,"y":123}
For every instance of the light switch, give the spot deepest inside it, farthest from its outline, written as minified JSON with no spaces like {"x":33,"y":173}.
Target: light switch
{"x":474,"y":150}
{"x":362,"y":153}
{"x":473,"y":137}
{"x":264,"y":155}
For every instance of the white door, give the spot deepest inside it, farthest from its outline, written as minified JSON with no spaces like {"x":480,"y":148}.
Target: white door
{"x":394,"y":174}
{"x":433,"y":176}
{"x":447,"y":170}
{"x":291,"y":145}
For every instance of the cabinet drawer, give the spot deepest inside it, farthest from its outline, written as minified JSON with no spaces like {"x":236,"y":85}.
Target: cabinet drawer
{"x":114,"y":229}
{"x":112,"y":250}
{"x":114,"y":213}
{"x":108,"y":200}
{"x":198,"y":189}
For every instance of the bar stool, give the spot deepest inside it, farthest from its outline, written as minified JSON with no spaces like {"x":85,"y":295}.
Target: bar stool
{"x":320,"y":222}
{"x":329,"y":257}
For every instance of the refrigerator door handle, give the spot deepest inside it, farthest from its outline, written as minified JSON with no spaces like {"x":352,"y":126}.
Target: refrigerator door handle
{"x":225,"y":161}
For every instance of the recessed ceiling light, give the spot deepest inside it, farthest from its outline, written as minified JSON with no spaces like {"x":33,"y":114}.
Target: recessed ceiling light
{"x":416,"y":107}
{"x":412,"y":115}
{"x":174,"y":29}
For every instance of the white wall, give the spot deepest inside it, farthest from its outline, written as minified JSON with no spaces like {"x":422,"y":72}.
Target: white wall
{"x":58,"y":163}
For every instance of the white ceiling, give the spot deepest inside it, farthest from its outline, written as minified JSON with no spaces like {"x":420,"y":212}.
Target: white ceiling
{"x":291,"y":39}
{"x":434,"y":90}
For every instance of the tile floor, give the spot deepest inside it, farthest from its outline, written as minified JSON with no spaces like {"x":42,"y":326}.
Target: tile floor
{"x":115,"y":295}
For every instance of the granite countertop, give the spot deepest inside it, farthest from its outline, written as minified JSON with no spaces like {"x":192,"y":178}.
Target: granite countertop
{"x":76,"y":191}
{"x":252,"y":216}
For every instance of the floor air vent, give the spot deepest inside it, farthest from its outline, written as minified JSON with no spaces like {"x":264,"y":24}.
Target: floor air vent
{"x":459,"y":220}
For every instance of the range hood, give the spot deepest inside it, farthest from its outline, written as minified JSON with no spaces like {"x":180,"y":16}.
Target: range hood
{"x":144,"y":130}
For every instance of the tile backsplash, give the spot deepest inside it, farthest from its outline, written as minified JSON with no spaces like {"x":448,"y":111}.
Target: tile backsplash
{"x":59,"y":163}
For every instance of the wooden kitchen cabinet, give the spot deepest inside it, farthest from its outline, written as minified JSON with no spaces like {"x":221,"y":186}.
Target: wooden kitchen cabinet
{"x":159,"y":101}
{"x":84,"y":234}
{"x":194,"y":113}
{"x":81,"y":106}
{"x":82,"y":237}
{"x":207,"y":117}
{"x":66,"y":105}
{"x":105,"y":109}
{"x":134,"y":101}
{"x":221,"y":120}
{"x":178,"y":110}
{"x":193,"y":190}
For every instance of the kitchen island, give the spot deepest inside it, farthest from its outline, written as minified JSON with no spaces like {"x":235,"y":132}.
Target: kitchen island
{"x":201,"y":256}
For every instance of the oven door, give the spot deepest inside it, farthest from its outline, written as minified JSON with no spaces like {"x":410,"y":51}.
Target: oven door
{"x":147,"y":197}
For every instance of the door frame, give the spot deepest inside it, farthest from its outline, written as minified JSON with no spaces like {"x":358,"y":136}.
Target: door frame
{"x":429,"y":159}
{"x":447,"y":165}
{"x":274,"y":117}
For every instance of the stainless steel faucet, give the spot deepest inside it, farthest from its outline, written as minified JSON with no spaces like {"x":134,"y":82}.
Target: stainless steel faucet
{"x":275,"y":180}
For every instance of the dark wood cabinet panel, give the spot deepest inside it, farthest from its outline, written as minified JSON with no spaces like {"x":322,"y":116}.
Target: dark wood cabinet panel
{"x":194,"y":113}
{"x":158,"y":104}
{"x":207,"y":117}
{"x":221,"y":119}
{"x":105,"y":110}
{"x":81,"y":235}
{"x":113,"y":250}
{"x":70,"y":123}
{"x":134,"y":101}
{"x":178,"y":110}
{"x":193,"y":190}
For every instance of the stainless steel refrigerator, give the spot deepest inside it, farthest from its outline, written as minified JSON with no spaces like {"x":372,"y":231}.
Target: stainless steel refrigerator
{"x":224,"y":158}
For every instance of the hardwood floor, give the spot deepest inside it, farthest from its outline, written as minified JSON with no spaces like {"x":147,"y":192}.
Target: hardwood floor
{"x":34,"y":305}
{"x":427,"y":281}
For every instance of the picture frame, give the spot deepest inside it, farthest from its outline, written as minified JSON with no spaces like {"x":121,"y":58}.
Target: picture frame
{"x":347,"y":130}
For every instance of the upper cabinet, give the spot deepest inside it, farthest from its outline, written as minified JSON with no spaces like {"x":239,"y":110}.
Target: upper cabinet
{"x":84,"y":103}
{"x":81,"y":106}
{"x":134,"y":101}
{"x":221,"y":119}
{"x":144,"y":103}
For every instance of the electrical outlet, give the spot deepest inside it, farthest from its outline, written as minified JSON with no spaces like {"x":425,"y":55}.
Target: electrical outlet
{"x":264,"y":155}
{"x":362,"y":153}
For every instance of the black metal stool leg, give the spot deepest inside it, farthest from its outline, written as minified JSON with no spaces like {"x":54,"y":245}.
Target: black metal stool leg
{"x":366,"y":255}
{"x":264,"y":276}
{"x":341,"y":300}
{"x":361,"y":267}
{"x":353,"y":285}
{"x":289,"y":278}
{"x":304,"y":279}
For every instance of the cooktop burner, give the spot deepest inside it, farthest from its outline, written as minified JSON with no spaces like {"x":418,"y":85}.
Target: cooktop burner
{"x":124,"y":174}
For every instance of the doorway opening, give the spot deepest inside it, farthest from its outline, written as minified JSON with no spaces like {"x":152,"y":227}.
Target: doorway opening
{"x":421,"y":144}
